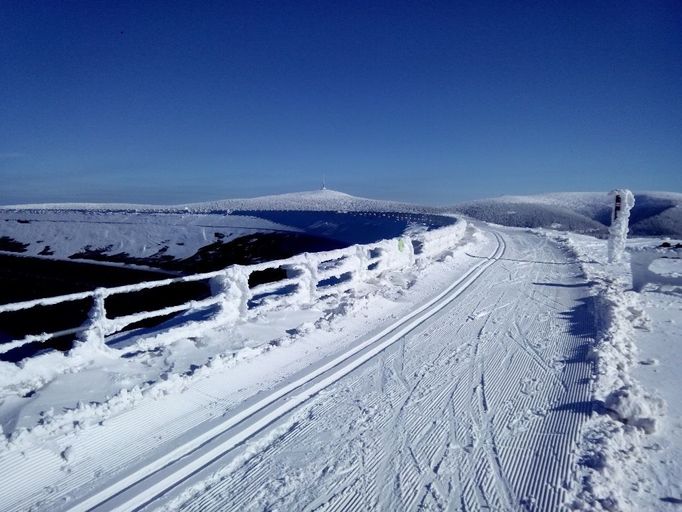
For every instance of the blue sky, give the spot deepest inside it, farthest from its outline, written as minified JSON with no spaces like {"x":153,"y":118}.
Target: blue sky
{"x":432,"y":102}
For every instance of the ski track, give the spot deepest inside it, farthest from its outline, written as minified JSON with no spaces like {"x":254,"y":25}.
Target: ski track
{"x":479,"y":407}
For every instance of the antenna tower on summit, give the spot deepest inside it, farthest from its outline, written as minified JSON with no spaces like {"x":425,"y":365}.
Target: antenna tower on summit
{"x":324,"y":183}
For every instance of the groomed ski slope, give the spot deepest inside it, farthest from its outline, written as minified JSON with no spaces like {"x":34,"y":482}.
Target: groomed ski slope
{"x":477,"y":407}
{"x":472,"y":399}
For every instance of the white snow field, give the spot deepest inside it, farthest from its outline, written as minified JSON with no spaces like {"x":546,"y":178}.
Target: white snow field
{"x":314,"y":200}
{"x":471,"y":367}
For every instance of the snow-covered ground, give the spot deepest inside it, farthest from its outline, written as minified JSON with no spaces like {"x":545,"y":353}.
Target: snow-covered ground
{"x":61,"y":234}
{"x":477,"y":407}
{"x":512,"y":369}
{"x":478,"y":400}
{"x":59,"y":419}
{"x":631,"y":453}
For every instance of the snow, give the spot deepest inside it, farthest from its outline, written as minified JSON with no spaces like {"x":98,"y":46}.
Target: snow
{"x":654,"y":214}
{"x":277,"y":341}
{"x":455,"y":413}
{"x":315,"y":200}
{"x":631,"y":405}
{"x":153,"y":234}
{"x":630,"y":449}
{"x":140,"y":235}
{"x":276,"y":348}
{"x":469,"y":366}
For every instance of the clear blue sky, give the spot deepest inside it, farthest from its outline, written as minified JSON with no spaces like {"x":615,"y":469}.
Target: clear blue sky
{"x":431,"y":102}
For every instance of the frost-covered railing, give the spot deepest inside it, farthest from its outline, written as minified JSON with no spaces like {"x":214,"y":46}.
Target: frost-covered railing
{"x":309,"y":276}
{"x":641,"y":259}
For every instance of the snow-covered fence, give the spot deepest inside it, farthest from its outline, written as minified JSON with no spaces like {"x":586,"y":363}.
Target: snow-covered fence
{"x":435,"y":242}
{"x":308,"y":277}
{"x":640,"y":262}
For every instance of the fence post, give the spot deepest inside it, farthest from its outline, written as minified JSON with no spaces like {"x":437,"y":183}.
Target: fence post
{"x":311,"y":265}
{"x":97,"y":321}
{"x":409,"y":247}
{"x":361,"y":255}
{"x":302,"y":272}
{"x":232,"y":288}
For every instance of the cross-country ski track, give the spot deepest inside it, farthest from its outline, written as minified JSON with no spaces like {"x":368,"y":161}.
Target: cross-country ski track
{"x":474,"y":401}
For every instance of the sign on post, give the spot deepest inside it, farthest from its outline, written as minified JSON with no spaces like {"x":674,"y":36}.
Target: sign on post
{"x":616,"y":207}
{"x":623,"y":202}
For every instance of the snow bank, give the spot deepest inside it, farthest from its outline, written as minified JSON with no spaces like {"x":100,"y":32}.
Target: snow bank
{"x":611,"y":447}
{"x":631,"y":405}
{"x":641,"y":259}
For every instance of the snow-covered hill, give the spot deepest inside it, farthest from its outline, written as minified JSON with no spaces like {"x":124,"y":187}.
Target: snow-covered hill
{"x":315,"y":200}
{"x":155,"y":235}
{"x":64,"y":233}
{"x":654,"y":214}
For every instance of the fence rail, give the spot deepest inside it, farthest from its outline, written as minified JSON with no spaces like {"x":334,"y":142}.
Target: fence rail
{"x":309,"y":276}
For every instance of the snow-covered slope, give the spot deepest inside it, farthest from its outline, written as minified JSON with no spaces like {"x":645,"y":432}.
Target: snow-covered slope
{"x":318,"y":200}
{"x":530,"y":215}
{"x":315,"y":200}
{"x":139,"y":235}
{"x":151,"y":235}
{"x":654,"y":214}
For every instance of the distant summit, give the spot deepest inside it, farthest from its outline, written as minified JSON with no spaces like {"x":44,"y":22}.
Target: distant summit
{"x":323,"y":199}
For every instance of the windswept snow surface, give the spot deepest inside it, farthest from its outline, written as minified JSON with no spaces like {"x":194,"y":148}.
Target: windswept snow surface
{"x":463,"y":384}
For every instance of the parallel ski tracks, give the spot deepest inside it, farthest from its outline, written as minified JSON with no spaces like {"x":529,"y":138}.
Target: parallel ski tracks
{"x":159,"y":476}
{"x":460,"y":417}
